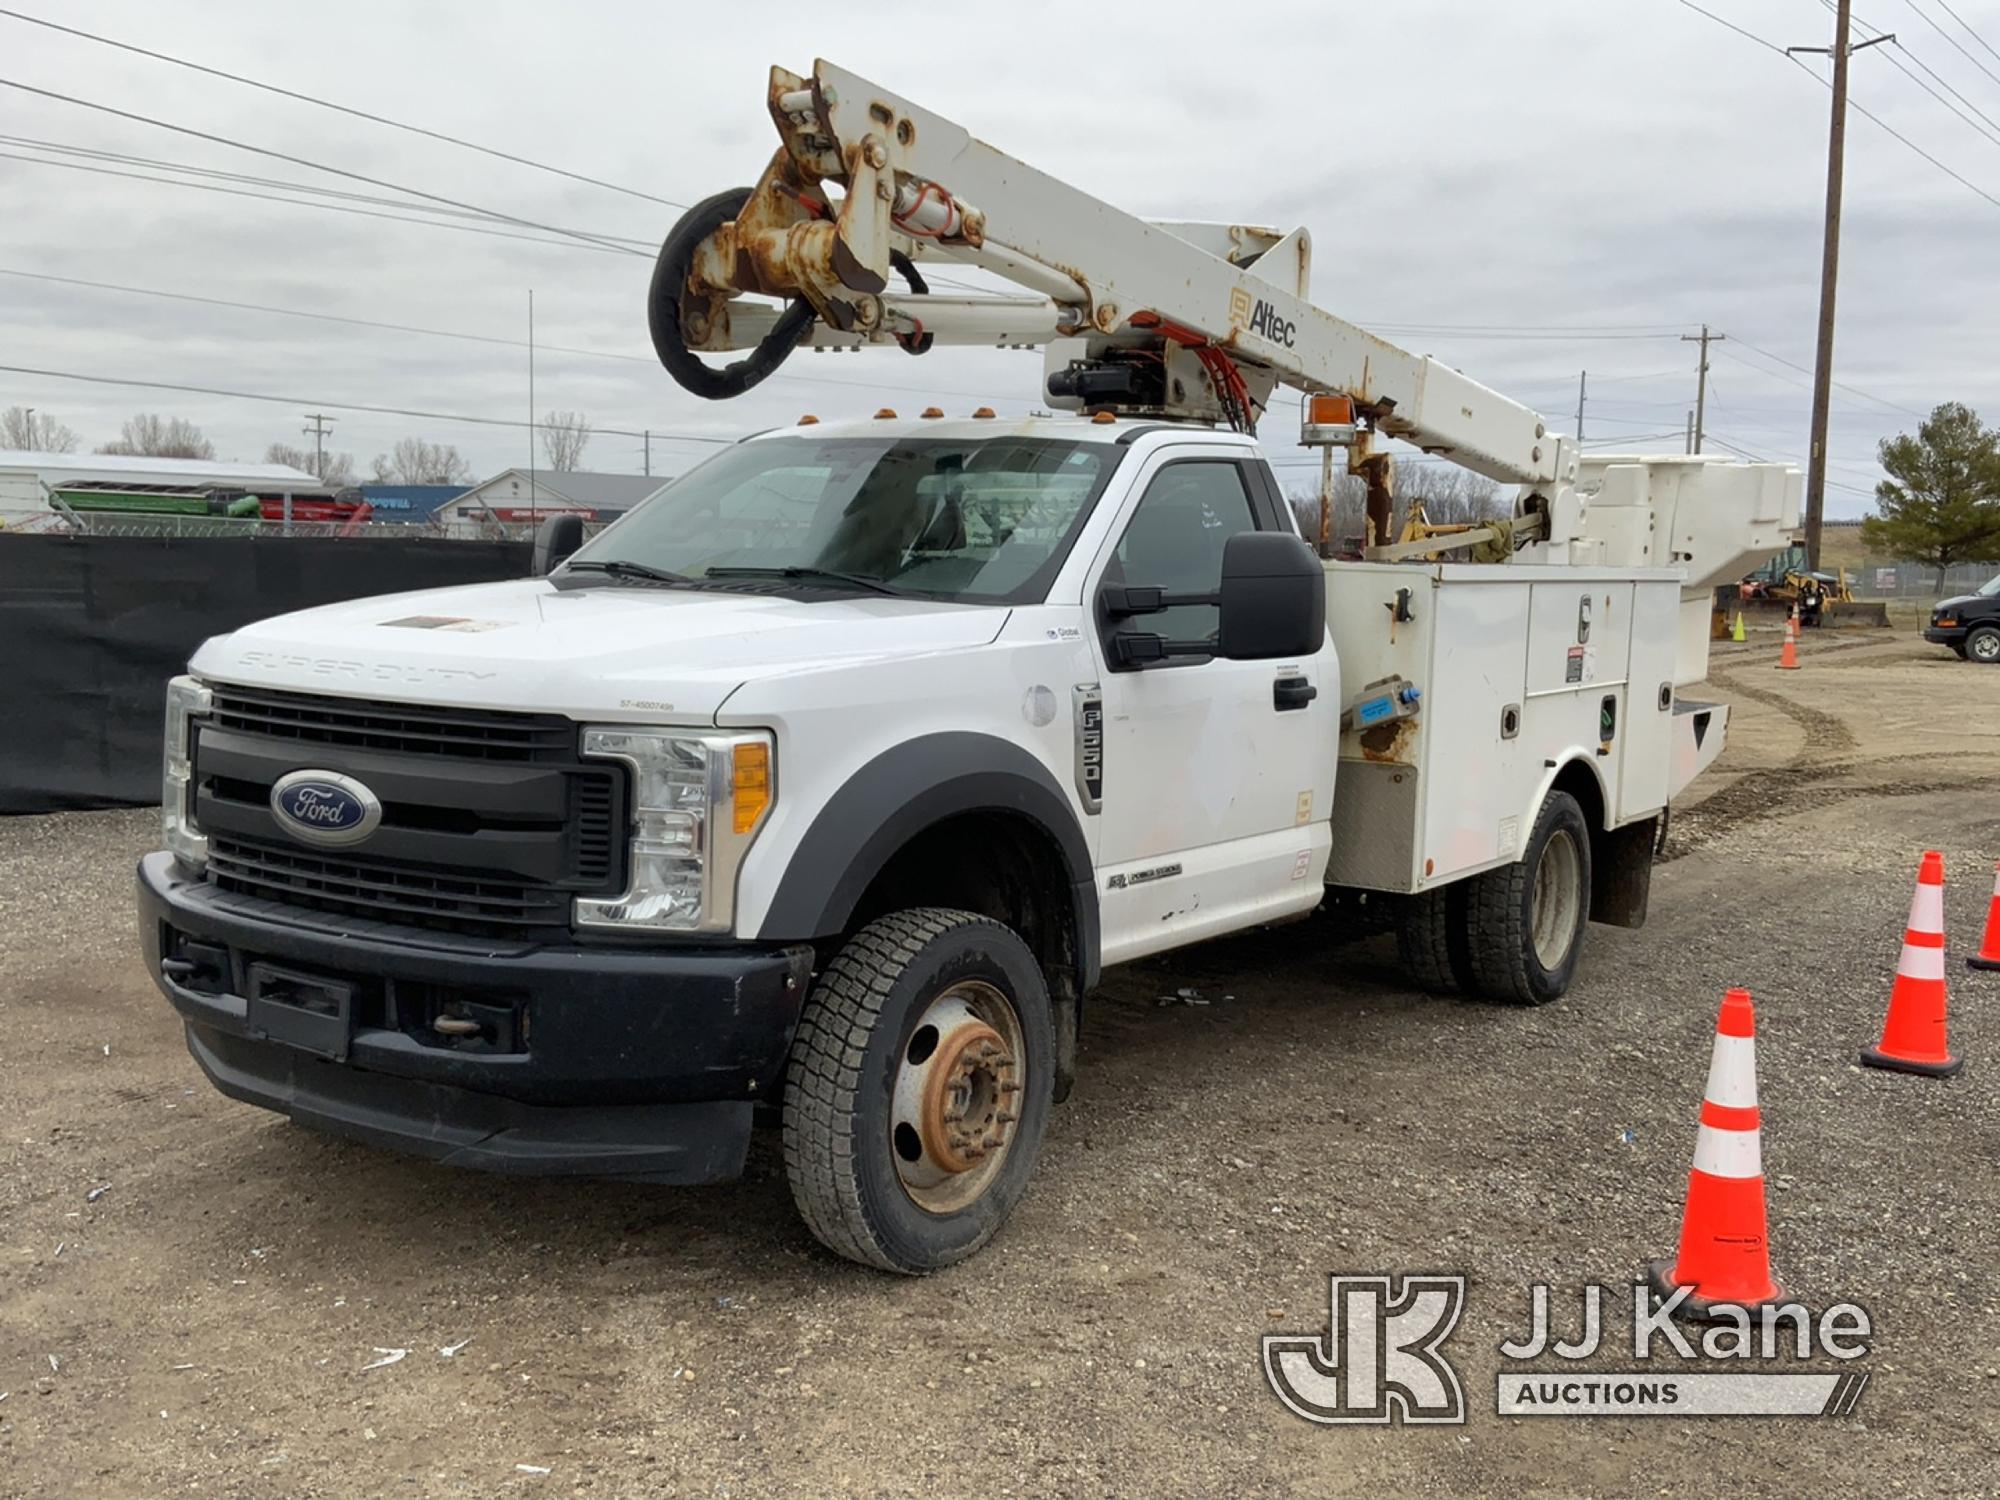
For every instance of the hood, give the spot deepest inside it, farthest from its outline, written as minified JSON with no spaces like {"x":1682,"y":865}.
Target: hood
{"x":619,"y":651}
{"x":1958,"y":602}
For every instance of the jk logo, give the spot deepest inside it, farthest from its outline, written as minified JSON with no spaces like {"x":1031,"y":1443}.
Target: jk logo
{"x":1379,"y":1361}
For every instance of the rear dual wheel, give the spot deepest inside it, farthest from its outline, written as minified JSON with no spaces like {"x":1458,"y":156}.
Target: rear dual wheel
{"x":1513,"y":934}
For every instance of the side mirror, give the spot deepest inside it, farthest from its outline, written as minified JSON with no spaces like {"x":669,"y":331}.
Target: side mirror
{"x":1273,"y":597}
{"x":558,"y":537}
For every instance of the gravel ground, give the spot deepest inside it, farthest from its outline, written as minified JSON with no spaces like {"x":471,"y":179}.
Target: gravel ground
{"x":203,"y":1324}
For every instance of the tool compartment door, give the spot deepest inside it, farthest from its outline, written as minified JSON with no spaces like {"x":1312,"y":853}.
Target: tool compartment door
{"x":1646,"y":741}
{"x":1476,"y":774}
{"x":1579,"y":645}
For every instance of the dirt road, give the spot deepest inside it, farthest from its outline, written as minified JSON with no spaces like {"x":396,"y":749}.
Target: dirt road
{"x":204,"y":1324}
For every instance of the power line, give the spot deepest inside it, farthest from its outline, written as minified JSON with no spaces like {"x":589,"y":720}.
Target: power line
{"x":1945,"y":83}
{"x":389,"y":411}
{"x":126,"y":158}
{"x":1853,"y":103}
{"x":1954,"y":41}
{"x":1986,"y":130}
{"x":1852,"y":390}
{"x":1985,"y":124}
{"x":301,"y":161}
{"x":359,"y":114}
{"x":1968,"y":28}
{"x":476,"y":338}
{"x":1732,"y":26}
{"x":366,"y":213}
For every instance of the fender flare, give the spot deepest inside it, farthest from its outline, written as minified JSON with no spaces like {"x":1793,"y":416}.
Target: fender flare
{"x":896,"y":796}
{"x":1550,"y":774}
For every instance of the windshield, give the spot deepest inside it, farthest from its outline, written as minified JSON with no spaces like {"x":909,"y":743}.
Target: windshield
{"x":1991,"y":587}
{"x":982,"y":520}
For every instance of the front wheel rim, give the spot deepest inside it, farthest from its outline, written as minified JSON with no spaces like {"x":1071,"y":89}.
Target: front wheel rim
{"x":1557,"y":900}
{"x":1987,"y":647}
{"x":956,"y":1105}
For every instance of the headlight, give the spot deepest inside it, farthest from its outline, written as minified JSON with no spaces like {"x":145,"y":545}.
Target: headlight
{"x":1945,"y":620}
{"x":697,"y":803}
{"x":187,"y":701}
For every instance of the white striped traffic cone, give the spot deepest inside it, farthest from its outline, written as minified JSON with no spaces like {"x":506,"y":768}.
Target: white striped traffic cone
{"x":1725,"y":1254}
{"x":1913,"y":1036}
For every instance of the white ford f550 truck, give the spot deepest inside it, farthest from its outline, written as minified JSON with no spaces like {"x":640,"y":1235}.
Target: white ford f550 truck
{"x":827,"y":782}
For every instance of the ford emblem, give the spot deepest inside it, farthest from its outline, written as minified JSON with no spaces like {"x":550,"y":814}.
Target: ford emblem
{"x":324,"y":807}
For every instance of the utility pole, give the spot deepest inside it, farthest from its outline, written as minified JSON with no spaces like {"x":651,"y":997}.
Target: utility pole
{"x":317,"y":432}
{"x":531,"y":404}
{"x":649,"y":453}
{"x":1700,"y":384}
{"x":1690,"y":435}
{"x":1829,"y":269}
{"x":1582,"y":391}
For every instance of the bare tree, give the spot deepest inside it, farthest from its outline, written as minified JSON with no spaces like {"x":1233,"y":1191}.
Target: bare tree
{"x":414,"y":461}
{"x":336,"y":469}
{"x":565,"y":434}
{"x":23,"y":428}
{"x":1451,"y":496}
{"x":161,"y":437}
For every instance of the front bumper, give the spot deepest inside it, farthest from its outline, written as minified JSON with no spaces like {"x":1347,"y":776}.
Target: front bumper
{"x":1947,"y":635}
{"x":636,"y":1063}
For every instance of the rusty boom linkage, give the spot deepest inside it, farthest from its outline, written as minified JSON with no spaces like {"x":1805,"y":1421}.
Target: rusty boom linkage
{"x":1176,"y":320}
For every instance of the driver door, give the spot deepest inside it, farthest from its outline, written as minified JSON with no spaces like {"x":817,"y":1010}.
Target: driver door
{"x":1217,"y":779}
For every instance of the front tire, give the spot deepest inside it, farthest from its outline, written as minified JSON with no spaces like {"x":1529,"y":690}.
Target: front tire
{"x":1983,"y":646}
{"x":1527,"y":918}
{"x":919,"y":1089}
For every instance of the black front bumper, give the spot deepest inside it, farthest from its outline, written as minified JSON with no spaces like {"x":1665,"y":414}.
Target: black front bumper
{"x":617,"y":1062}
{"x":1947,"y":635}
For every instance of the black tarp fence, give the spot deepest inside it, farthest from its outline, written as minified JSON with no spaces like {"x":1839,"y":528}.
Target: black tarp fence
{"x":91,"y":628}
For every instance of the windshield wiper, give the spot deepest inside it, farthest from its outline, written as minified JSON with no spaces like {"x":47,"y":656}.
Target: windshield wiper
{"x":852,"y":580}
{"x":619,"y":568}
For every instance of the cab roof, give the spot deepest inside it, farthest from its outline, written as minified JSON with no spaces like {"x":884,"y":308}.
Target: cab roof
{"x":1074,"y":428}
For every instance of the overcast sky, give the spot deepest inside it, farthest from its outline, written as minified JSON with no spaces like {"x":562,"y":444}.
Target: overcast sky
{"x":1609,"y":174}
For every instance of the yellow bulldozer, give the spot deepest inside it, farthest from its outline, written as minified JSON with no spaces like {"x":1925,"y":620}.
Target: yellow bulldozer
{"x":1784,"y":584}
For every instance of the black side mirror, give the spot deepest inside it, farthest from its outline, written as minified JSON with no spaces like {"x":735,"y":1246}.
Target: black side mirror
{"x":558,"y":537}
{"x":1273,"y":597}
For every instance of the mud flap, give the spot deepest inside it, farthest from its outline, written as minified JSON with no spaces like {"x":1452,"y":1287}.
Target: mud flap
{"x":1621,"y":873}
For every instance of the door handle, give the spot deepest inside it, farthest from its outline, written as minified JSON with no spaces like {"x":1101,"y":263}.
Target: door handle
{"x":1292,"y":692}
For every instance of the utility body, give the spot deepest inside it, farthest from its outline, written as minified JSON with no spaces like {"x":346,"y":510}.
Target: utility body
{"x":828,"y":782}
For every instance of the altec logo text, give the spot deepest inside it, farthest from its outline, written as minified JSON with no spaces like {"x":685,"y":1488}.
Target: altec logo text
{"x":1381,"y":1359}
{"x":1264,"y":320}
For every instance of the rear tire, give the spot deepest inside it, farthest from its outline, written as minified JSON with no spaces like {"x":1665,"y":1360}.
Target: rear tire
{"x":919,"y":1089}
{"x":1983,"y":646}
{"x":1432,"y":941}
{"x":1527,"y":919}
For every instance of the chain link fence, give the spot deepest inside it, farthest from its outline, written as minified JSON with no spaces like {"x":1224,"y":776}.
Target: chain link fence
{"x":127,"y":524}
{"x":1908,"y":580}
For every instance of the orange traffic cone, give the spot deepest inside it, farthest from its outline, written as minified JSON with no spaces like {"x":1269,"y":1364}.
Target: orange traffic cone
{"x":1788,"y":659}
{"x":1725,"y":1257}
{"x":1913,"y":1036}
{"x":1989,"y":951}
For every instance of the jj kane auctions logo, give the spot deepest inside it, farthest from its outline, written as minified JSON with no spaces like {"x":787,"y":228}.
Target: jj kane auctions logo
{"x":1382,"y":1358}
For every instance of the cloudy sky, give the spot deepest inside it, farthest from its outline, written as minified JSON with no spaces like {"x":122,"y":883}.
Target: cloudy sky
{"x":1526,"y":191}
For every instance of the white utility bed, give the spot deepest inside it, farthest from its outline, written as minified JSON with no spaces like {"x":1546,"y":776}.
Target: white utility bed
{"x":1522,"y":670}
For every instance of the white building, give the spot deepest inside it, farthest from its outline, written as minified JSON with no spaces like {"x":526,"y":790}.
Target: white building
{"x":26,"y":478}
{"x":512,"y":496}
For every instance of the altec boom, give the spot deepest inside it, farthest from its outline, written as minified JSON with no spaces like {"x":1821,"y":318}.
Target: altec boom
{"x":1141,"y":317}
